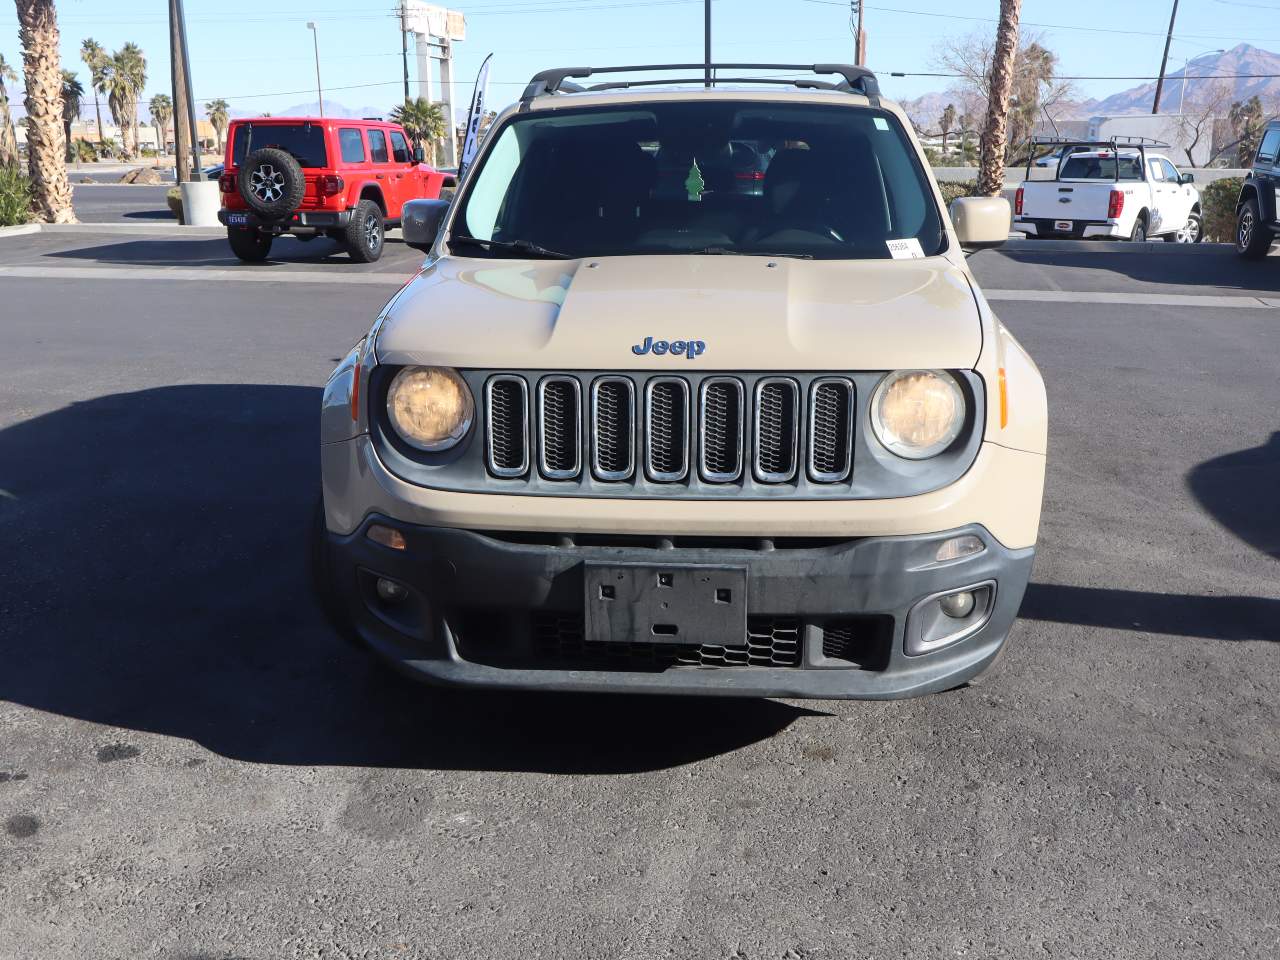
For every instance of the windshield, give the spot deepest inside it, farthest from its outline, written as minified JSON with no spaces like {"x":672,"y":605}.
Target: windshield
{"x":303,"y":141}
{"x":1100,"y":168}
{"x":795,"y":179}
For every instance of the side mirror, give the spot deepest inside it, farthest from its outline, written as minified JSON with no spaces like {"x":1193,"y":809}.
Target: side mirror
{"x":419,"y":155}
{"x":1187,"y":178}
{"x":420,"y":222}
{"x":981,"y":222}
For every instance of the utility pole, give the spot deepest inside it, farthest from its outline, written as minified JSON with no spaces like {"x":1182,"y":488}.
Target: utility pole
{"x":195,"y":173}
{"x":315,"y":36}
{"x":1165,"y":60}
{"x":859,"y":35}
{"x":404,"y":44}
{"x":706,"y":59}
{"x":178,"y":74}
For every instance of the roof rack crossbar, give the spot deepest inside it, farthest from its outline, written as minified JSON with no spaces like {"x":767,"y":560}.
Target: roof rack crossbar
{"x":780,"y":81}
{"x":1110,"y":142}
{"x":854,"y":79}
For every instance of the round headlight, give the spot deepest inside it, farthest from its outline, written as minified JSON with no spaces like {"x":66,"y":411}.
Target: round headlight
{"x":431,"y":408}
{"x":917,"y":413}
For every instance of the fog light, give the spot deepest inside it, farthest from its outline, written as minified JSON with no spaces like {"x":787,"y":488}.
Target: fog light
{"x":957,"y":547}
{"x":957,"y":605}
{"x":389,"y":591}
{"x":386,"y":536}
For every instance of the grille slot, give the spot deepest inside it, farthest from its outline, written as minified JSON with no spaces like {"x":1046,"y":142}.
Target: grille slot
{"x":507,"y":421}
{"x":777,"y":428}
{"x":722,"y":410}
{"x":613,"y":428}
{"x":770,"y":642}
{"x":831,"y":406}
{"x":667,"y":429}
{"x":559,"y":428}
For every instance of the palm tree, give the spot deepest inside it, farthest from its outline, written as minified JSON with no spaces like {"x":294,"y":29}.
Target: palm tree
{"x":947,"y":121}
{"x":219,"y":114}
{"x":126,"y":75}
{"x":94,"y":56}
{"x":46,"y":143}
{"x":8,"y":139}
{"x":72,"y":95}
{"x":424,"y":121}
{"x":161,"y":109}
{"x":994,"y":141}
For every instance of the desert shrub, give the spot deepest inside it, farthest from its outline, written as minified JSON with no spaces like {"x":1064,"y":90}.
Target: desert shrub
{"x":1218,"y":205}
{"x":173,"y":199}
{"x":82,"y":151}
{"x":15,"y":196}
{"x":955,"y":189}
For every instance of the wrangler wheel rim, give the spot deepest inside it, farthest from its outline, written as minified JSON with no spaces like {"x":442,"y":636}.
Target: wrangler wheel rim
{"x":372,"y":233}
{"x":267,"y":183}
{"x":1246,"y":229}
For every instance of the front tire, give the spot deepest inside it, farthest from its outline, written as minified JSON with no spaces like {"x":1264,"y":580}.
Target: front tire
{"x":366,"y":233}
{"x":249,"y":245}
{"x":1253,"y":239}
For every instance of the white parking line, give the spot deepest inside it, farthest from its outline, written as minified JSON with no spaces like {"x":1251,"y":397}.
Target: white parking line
{"x":262,"y":274}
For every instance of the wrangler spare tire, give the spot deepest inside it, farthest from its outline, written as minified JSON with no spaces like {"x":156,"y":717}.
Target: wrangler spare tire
{"x":271,"y":183}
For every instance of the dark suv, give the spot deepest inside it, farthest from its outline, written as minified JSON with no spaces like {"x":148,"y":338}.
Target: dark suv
{"x":1257,"y":220}
{"x":344,"y":179}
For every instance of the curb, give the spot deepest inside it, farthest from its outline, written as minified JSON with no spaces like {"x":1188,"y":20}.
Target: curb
{"x":21,"y":230}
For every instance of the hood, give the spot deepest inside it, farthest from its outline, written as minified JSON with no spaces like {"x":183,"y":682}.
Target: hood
{"x":747,"y":313}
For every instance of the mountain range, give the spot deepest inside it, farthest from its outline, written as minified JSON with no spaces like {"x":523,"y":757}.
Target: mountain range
{"x":1255,"y":72}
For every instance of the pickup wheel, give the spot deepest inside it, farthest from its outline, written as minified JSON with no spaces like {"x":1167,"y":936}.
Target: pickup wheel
{"x":365,"y":233}
{"x":1191,"y":232}
{"x":1139,"y":234}
{"x":271,"y":183}
{"x":249,"y":245}
{"x":1253,"y":239}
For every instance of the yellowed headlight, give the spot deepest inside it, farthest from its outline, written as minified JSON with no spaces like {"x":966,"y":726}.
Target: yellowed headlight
{"x":917,"y":413}
{"x":431,"y":408}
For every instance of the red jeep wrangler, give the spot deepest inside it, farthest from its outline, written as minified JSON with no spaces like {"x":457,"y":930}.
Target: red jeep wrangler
{"x":344,"y":179}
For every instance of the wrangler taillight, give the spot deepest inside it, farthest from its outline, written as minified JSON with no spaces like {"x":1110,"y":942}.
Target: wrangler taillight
{"x":1115,"y":205}
{"x":330,"y":186}
{"x":1017,"y":202}
{"x":227,"y":183}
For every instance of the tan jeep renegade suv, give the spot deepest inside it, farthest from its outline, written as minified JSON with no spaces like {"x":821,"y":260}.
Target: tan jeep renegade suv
{"x":694,"y":393}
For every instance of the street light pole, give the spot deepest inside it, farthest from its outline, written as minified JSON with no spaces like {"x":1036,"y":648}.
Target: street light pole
{"x":315,"y":36}
{"x":1186,"y":65}
{"x":404,"y":44}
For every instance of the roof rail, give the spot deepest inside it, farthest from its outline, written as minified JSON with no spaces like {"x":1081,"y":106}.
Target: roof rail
{"x":1112,"y":142}
{"x":853,"y":79}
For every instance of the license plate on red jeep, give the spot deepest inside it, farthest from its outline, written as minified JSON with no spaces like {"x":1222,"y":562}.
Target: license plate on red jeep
{"x":237,"y":219}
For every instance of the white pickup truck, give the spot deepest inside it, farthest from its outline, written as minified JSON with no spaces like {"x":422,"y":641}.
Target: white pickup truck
{"x":1110,"y":190}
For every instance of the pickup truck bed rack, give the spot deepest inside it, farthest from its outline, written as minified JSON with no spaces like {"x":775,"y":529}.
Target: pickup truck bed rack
{"x":1115,"y":144}
{"x":853,"y":79}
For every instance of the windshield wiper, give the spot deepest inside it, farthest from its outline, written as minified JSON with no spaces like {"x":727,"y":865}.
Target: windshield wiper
{"x":726,"y":252}
{"x":515,"y":246}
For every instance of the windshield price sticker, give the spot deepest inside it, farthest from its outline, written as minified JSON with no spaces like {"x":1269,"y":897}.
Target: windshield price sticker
{"x":908,"y":249}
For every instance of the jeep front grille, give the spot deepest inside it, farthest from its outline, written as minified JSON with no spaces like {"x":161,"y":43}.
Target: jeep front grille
{"x":777,"y":429}
{"x":559,"y":427}
{"x":709,"y":434}
{"x":507,"y":420}
{"x":666,"y":430}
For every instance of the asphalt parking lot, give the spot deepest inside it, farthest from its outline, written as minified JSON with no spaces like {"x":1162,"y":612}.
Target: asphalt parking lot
{"x":192,"y":766}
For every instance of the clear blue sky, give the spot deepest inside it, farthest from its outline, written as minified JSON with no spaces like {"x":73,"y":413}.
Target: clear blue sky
{"x":262,"y":61}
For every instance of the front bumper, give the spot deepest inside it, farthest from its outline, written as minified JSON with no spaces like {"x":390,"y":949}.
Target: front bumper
{"x":304,"y":219}
{"x":506,"y":611}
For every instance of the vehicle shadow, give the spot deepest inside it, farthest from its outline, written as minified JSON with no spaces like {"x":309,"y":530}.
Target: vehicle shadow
{"x":153,"y":578}
{"x":213,"y":252}
{"x":1242,"y":492}
{"x":1182,"y":615}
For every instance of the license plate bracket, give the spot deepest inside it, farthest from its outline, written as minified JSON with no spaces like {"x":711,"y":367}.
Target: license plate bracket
{"x":670,"y":604}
